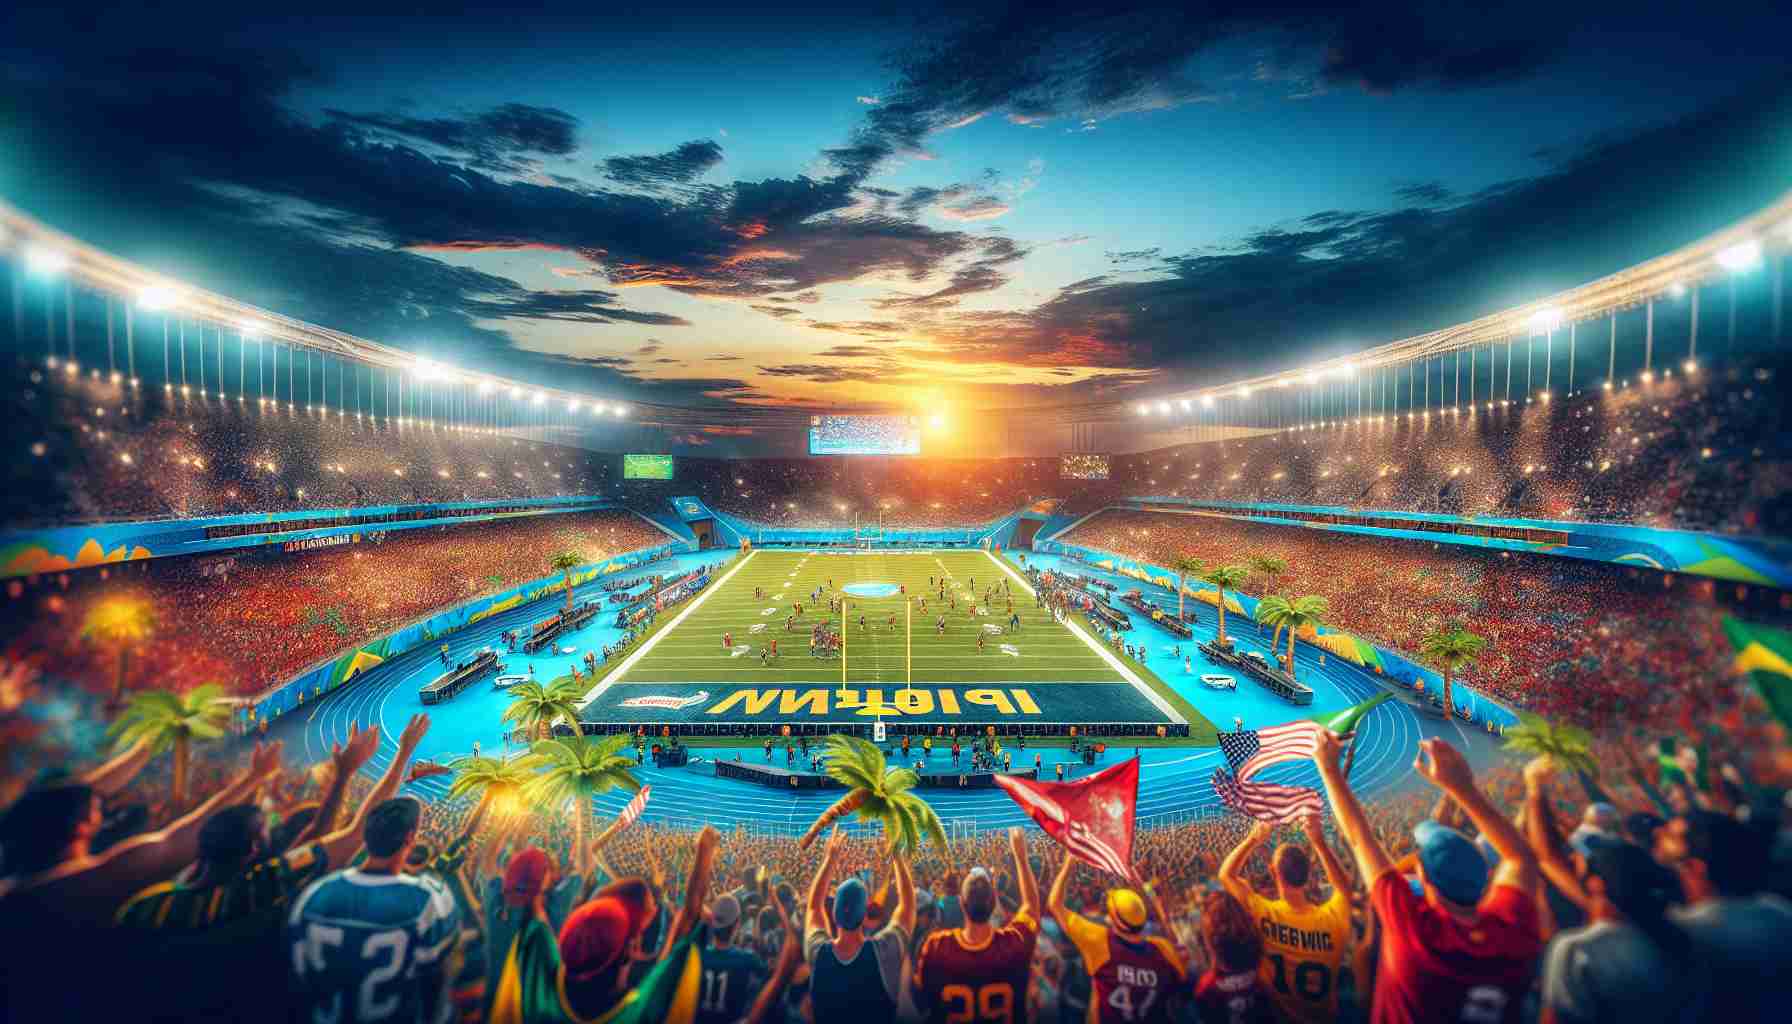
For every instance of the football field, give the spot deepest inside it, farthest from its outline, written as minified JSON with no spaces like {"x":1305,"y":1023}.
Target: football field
{"x":909,"y":624}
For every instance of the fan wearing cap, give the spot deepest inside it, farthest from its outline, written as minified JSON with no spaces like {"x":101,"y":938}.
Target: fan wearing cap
{"x":980,"y":972}
{"x":1133,"y":975}
{"x":1305,"y":942}
{"x":1466,"y":947}
{"x":522,"y":952}
{"x":731,"y":973}
{"x":854,"y":976}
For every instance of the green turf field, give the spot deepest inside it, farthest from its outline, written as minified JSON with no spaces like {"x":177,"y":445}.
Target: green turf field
{"x":1040,"y":651}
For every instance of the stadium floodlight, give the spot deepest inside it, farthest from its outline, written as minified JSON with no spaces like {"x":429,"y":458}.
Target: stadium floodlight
{"x":599,"y":408}
{"x":620,"y":410}
{"x":45,"y":260}
{"x":1244,"y":392}
{"x":1545,"y":320}
{"x":1206,"y":401}
{"x":1163,"y":407}
{"x":1143,"y":409}
{"x":250,"y":328}
{"x":1691,"y":366}
{"x":1347,"y":370}
{"x":485,"y":387}
{"x":1310,"y":378}
{"x":1677,"y":290}
{"x":572,"y":406}
{"x":540,"y":397}
{"x":516,"y":392}
{"x":1185,"y":405}
{"x":1740,"y":257}
{"x":159,"y":297}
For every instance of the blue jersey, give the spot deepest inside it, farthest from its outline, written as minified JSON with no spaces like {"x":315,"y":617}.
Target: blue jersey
{"x":370,"y":948}
{"x":730,"y":982}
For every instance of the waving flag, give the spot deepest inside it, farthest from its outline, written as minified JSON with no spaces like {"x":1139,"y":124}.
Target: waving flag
{"x":1091,"y":818}
{"x":629,"y":815}
{"x":1765,"y":656}
{"x":1249,"y":751}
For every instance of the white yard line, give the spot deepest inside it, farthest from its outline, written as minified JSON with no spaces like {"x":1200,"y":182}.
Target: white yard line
{"x":1114,"y":663}
{"x":653,"y":641}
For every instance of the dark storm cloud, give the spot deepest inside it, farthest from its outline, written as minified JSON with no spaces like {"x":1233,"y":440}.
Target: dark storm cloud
{"x":588,"y":307}
{"x":1344,"y":279}
{"x":1038,"y":61}
{"x":777,"y":311}
{"x":1424,"y":192}
{"x":679,"y":166}
{"x":816,"y":373}
{"x":493,"y":140}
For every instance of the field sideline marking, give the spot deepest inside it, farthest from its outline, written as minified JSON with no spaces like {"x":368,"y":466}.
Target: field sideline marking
{"x":1114,"y":663}
{"x":653,"y":641}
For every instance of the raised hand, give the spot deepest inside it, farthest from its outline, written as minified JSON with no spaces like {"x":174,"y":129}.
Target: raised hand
{"x":1444,"y":766}
{"x":264,"y":760}
{"x":359,"y":750}
{"x":1325,"y":749}
{"x":414,"y":731}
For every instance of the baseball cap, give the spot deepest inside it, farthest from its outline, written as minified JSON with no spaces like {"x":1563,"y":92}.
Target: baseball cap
{"x":1126,"y":910}
{"x":850,"y":902}
{"x":1452,"y":864}
{"x":524,"y":876}
{"x":725,"y":913}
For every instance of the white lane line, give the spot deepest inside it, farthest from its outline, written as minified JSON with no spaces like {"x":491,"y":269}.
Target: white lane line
{"x":653,"y":641}
{"x":1106,"y":655}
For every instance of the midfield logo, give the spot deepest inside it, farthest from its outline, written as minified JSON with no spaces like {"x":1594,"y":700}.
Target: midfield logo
{"x":667,"y":703}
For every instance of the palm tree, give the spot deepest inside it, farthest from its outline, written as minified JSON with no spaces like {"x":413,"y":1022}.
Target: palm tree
{"x":1224,"y":578}
{"x":1451,"y":648}
{"x":578,"y":768}
{"x":1569,"y":747}
{"x":167,"y":719}
{"x":564,"y":563}
{"x":496,"y":779}
{"x":1185,"y":566}
{"x":878,"y":793}
{"x":535,"y":707}
{"x":1272,"y":566}
{"x":120,"y":623}
{"x":1292,"y":614}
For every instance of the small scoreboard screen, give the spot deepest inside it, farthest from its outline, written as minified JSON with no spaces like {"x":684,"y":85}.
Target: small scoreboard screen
{"x":864,"y":435}
{"x":647,"y":467}
{"x":1083,"y":467}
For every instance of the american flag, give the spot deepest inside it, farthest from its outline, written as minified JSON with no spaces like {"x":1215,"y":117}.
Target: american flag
{"x":1266,"y":801}
{"x":1249,"y":751}
{"x":633,"y":811}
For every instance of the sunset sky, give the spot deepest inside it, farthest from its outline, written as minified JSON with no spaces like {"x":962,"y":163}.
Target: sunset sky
{"x":805,"y":205}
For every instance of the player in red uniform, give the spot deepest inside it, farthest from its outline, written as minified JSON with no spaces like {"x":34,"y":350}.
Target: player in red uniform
{"x":979,"y":973}
{"x":1132,"y":975}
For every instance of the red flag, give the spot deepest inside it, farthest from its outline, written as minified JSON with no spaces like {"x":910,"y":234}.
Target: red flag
{"x":1092,"y":818}
{"x":633,"y":811}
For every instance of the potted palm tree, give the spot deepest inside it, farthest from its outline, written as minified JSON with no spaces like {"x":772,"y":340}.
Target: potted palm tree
{"x":878,"y":793}
{"x":578,"y":768}
{"x":1452,"y":649}
{"x":1224,"y":578}
{"x":120,"y":623}
{"x":564,"y":563}
{"x":1186,"y":566}
{"x":1292,"y":614}
{"x":165,"y":719}
{"x":534,"y":707}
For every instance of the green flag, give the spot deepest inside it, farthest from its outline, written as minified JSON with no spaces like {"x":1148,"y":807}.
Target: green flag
{"x":1765,"y":656}
{"x":1345,"y":722}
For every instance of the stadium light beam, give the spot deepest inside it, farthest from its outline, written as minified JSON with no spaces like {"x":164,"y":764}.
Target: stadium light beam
{"x":1545,"y":320}
{"x":159,"y":298}
{"x":1743,"y":256}
{"x":45,"y":260}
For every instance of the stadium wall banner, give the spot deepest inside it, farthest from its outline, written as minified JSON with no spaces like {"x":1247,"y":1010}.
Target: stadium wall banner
{"x":968,"y":536}
{"x":322,"y":678}
{"x":1365,"y":654}
{"x":61,"y":549}
{"x":716,"y":703}
{"x":1751,"y":560}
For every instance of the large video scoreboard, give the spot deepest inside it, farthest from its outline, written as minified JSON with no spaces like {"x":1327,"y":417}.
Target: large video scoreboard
{"x":647,"y":467}
{"x":864,"y":435}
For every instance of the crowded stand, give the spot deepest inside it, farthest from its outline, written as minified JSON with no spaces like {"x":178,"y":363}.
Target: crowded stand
{"x":1590,"y":641}
{"x":257,"y":618}
{"x":1509,"y":894}
{"x":1701,"y":451}
{"x":94,"y":453}
{"x":896,"y":491}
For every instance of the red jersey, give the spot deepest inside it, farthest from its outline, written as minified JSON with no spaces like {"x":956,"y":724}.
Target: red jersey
{"x":959,"y":982}
{"x":1233,"y":999}
{"x":1435,"y":969}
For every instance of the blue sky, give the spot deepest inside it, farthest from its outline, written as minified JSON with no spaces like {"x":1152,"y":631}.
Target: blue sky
{"x":806,"y":206}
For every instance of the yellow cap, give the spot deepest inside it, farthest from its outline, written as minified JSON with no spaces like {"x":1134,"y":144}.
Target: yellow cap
{"x":1126,"y":910}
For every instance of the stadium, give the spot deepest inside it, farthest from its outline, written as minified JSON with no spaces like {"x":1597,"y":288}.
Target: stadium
{"x":483,"y":558}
